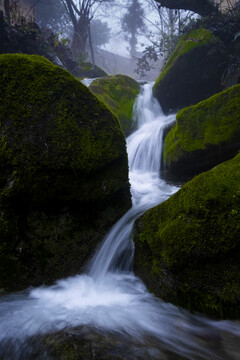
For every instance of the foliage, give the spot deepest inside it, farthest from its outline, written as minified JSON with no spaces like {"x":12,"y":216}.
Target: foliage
{"x":132,"y":22}
{"x":223,"y":25}
{"x":100,"y":32}
{"x":144,"y":63}
{"x":164,"y":35}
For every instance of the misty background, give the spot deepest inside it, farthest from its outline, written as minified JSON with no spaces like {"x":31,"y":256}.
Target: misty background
{"x":120,"y":36}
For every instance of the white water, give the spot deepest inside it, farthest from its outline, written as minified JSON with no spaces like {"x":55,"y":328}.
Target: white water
{"x":109,"y":296}
{"x":87,"y":81}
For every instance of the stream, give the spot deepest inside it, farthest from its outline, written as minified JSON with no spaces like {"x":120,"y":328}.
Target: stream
{"x":108,"y":297}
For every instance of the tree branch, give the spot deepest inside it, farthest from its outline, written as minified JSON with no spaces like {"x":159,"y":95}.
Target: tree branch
{"x":201,"y":7}
{"x":7,"y":10}
{"x":69,"y":5}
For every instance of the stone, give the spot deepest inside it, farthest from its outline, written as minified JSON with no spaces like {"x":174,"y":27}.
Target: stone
{"x":64,"y":172}
{"x":204,"y":135}
{"x":193,"y":71}
{"x":187,"y":248}
{"x":118,"y":93}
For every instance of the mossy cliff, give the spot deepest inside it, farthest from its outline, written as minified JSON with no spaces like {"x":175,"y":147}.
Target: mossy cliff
{"x":63,"y":164}
{"x":187,"y":249}
{"x":118,"y":93}
{"x":193,"y":71}
{"x":204,"y":134}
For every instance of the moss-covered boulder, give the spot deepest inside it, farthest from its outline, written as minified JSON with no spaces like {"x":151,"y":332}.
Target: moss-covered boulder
{"x":187,"y":249}
{"x":193,"y":71}
{"x":64,"y":171}
{"x":87,"y":70}
{"x":118,"y":93}
{"x":204,"y":135}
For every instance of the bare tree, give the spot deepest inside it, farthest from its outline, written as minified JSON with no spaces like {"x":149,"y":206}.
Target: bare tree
{"x":81,"y":14}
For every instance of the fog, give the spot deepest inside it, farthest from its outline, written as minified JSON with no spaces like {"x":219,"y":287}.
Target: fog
{"x":130,"y":29}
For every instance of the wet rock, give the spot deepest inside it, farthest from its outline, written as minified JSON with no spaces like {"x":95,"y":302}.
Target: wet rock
{"x":87,"y":343}
{"x":118,"y":93}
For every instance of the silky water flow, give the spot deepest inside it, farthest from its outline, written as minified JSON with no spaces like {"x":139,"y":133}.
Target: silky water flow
{"x":109,"y":297}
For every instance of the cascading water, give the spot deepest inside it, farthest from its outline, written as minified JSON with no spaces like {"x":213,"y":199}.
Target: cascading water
{"x":109,"y":297}
{"x":144,"y":153}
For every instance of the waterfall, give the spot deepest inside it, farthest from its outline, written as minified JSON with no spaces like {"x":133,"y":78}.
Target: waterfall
{"x":109,"y":297}
{"x":144,"y":153}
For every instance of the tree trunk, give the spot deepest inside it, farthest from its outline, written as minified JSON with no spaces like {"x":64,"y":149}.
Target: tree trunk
{"x":91,"y":45}
{"x":78,"y":46}
{"x":6,"y":4}
{"x":133,"y":44}
{"x":201,"y":7}
{"x":171,"y":29}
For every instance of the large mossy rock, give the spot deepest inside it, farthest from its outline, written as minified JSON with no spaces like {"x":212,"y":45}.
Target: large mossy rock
{"x":64,"y":171}
{"x":87,"y":70}
{"x":204,"y":135}
{"x":118,"y":93}
{"x":187,"y":249}
{"x":193,"y":71}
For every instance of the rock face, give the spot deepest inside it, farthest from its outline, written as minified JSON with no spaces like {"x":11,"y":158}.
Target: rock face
{"x":187,"y":248}
{"x":64,"y":172}
{"x":193,"y":71}
{"x":204,"y":135}
{"x":118,"y":93}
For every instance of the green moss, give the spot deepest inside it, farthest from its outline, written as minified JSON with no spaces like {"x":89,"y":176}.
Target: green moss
{"x":194,"y":238}
{"x":211,"y":123}
{"x":186,"y":44}
{"x":61,"y":152}
{"x":215,"y":193}
{"x":193,"y":71}
{"x":49,"y":120}
{"x":51,"y":96}
{"x":118,"y":93}
{"x":87,"y":70}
